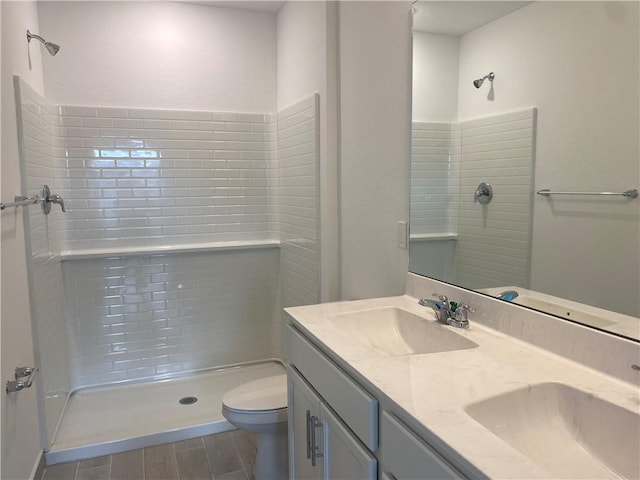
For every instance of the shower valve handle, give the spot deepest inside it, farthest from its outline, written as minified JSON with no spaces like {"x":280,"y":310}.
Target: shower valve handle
{"x":57,"y":199}
{"x":47,"y":198}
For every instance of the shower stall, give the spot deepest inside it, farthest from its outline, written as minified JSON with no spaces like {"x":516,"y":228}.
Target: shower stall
{"x":185,"y":233}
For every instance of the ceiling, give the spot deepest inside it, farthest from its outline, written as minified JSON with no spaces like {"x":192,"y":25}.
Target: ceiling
{"x":255,"y":5}
{"x":459,"y":17}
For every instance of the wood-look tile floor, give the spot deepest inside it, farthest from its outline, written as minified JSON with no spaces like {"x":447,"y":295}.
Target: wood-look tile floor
{"x":224,"y":456}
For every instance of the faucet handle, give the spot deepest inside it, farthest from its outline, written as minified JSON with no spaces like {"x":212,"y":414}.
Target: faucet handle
{"x":460,"y":318}
{"x":442,"y":298}
{"x":466,"y":307}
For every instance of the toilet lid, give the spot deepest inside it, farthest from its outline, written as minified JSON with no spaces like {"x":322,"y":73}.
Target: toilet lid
{"x":268,"y":393}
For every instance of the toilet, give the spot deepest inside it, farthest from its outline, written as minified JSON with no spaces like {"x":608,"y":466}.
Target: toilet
{"x":260,"y":407}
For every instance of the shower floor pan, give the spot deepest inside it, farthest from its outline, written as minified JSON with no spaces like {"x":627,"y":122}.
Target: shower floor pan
{"x":106,"y":420}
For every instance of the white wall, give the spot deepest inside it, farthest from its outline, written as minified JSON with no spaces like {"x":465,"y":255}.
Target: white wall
{"x":20,"y":431}
{"x":301,"y":51}
{"x":435,"y":77}
{"x":160,"y":55}
{"x":375,"y":119}
{"x":581,"y":71}
{"x":307,"y":57}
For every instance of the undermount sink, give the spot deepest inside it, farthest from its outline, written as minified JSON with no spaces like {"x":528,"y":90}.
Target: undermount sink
{"x":393,"y":331}
{"x":568,"y":432}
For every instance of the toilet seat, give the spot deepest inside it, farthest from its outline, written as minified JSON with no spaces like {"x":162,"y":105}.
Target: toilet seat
{"x":260,"y":401}
{"x":263,"y":417}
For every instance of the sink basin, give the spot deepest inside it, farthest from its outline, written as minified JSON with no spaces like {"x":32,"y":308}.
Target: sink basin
{"x":393,"y":331}
{"x":569,"y":433}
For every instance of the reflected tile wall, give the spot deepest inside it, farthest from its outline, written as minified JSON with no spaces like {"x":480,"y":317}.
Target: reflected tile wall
{"x":435,"y":177}
{"x":494,"y":240}
{"x":449,"y":160}
{"x":158,"y":177}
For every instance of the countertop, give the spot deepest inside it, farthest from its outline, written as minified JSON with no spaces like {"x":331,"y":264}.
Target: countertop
{"x":433,"y":389}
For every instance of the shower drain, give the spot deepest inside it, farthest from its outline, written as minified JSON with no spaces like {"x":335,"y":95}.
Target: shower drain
{"x":188,"y":400}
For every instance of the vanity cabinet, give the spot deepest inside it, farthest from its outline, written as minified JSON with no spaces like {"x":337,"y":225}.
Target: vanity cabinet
{"x":333,"y":422}
{"x":321,"y":446}
{"x":333,"y":426}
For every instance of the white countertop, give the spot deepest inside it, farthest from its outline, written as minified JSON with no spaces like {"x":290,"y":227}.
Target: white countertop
{"x":435,"y":388}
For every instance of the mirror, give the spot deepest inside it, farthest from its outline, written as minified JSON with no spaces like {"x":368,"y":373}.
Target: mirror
{"x":528,"y":96}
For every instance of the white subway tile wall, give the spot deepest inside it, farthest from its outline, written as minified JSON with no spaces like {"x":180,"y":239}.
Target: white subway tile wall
{"x":296,"y":206}
{"x":435,"y":177}
{"x":161,"y":177}
{"x":142,"y":316}
{"x":494,"y":239}
{"x":134,"y":177}
{"x":40,"y":132}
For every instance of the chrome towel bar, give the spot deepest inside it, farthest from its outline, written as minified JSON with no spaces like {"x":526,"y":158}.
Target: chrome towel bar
{"x":633,"y":193}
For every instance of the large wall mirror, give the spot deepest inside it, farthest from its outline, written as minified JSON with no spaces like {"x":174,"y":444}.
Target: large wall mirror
{"x":512,"y":98}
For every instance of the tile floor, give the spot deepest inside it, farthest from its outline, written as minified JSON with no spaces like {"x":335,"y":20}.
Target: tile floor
{"x":224,"y":456}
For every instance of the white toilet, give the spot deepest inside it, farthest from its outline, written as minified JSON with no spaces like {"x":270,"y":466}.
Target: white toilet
{"x":260,"y":407}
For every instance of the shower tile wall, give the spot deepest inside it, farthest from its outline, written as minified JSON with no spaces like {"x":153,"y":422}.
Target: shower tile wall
{"x":435,"y":176}
{"x":449,"y":160}
{"x":493,"y":247}
{"x":296,"y":206}
{"x":140,"y":316}
{"x":41,"y":142}
{"x":141,"y":177}
{"x":145,"y":177}
{"x":134,"y":177}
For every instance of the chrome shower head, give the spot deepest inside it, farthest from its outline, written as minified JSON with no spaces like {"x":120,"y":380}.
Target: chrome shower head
{"x":52,"y":48}
{"x":478,"y":83}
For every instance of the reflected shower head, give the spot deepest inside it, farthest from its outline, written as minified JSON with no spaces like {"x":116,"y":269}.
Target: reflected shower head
{"x":478,"y":83}
{"x":52,"y":48}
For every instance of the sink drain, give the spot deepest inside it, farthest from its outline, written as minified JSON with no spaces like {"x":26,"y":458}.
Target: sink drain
{"x":188,"y":400}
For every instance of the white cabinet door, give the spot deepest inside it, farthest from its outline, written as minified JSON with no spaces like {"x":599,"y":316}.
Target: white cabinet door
{"x":343,"y":456}
{"x":405,"y":456}
{"x":303,"y":409}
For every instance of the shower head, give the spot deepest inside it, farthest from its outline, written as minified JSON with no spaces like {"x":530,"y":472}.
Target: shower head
{"x":52,"y":48}
{"x":478,"y":83}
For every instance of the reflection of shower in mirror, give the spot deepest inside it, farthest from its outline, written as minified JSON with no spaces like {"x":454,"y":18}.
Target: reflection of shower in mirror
{"x":489,"y":76}
{"x":52,"y":48}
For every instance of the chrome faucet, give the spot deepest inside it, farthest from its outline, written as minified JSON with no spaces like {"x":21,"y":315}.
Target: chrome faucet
{"x":449,"y":313}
